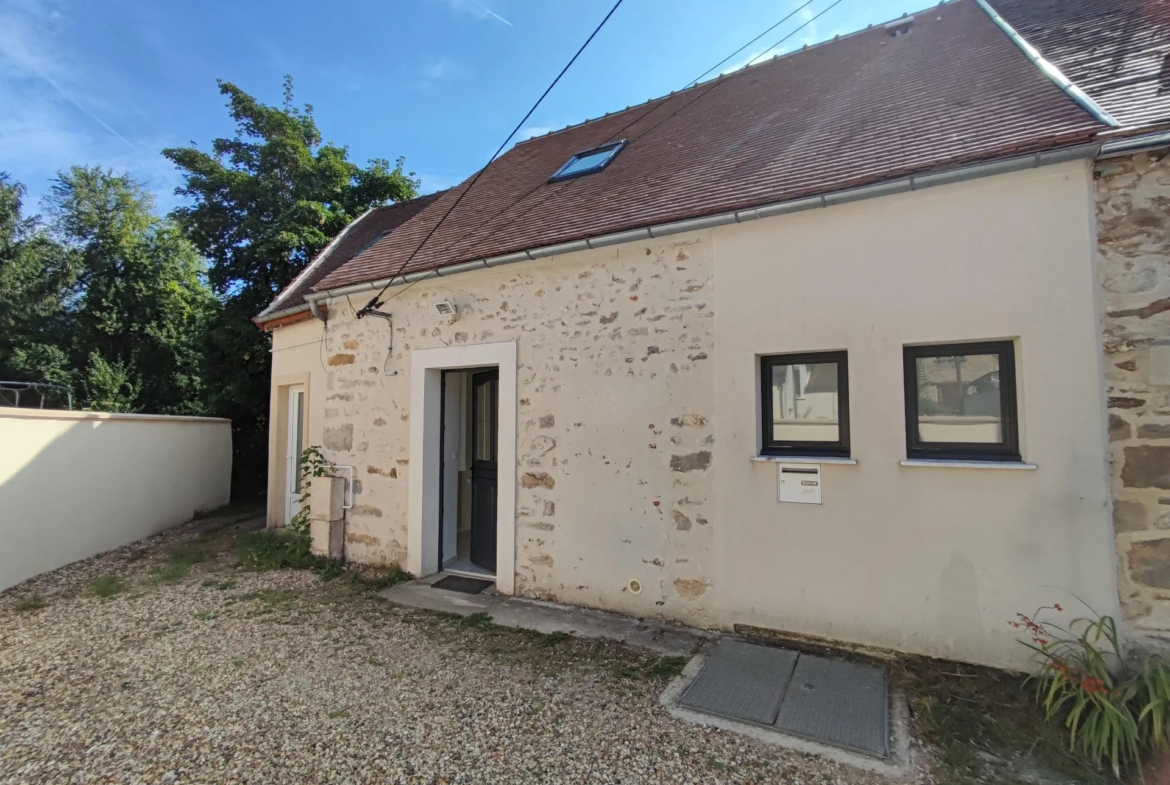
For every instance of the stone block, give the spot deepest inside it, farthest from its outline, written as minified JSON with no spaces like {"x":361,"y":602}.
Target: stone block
{"x":327,"y":538}
{"x":1149,"y":563}
{"x":1146,"y":466}
{"x":326,"y":497}
{"x":1159,"y":366}
{"x":1128,"y":516}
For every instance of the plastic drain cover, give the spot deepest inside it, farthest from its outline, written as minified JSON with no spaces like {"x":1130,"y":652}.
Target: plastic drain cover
{"x":837,"y":702}
{"x":741,"y":681}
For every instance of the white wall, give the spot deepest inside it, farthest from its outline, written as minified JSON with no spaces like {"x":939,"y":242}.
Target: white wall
{"x":75,"y":484}
{"x":929,"y":560}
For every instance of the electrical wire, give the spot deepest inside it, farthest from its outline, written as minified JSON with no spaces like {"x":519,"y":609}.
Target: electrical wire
{"x":612,"y":136}
{"x":373,"y":303}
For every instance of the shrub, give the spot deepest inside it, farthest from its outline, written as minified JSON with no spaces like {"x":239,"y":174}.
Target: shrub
{"x":1112,"y":714}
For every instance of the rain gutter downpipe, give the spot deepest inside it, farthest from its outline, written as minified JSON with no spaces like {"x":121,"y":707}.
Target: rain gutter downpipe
{"x":902,"y":185}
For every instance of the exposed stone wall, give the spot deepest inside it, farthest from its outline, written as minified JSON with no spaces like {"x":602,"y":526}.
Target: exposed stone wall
{"x":615,"y":443}
{"x":1133,"y":212}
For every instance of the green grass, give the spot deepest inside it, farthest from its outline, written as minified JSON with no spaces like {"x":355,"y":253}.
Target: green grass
{"x":271,"y":549}
{"x":108,"y":585}
{"x":181,"y":560}
{"x":32,"y":602}
{"x":986,"y":727}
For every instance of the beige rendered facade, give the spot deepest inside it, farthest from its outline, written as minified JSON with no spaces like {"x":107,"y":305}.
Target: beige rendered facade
{"x":636,"y":399}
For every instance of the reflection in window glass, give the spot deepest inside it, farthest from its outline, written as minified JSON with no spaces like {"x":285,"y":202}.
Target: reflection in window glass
{"x":959,"y":399}
{"x":298,"y":402}
{"x":805,"y":403}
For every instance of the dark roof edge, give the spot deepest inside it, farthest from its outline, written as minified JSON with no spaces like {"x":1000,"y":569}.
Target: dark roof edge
{"x":1049,"y":69}
{"x":268,"y":314}
{"x":882,"y":188}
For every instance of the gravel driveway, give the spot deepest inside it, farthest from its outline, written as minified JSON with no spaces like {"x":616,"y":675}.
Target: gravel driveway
{"x":223,"y":675}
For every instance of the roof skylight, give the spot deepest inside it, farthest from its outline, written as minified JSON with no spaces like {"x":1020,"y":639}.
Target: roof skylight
{"x":588,"y":161}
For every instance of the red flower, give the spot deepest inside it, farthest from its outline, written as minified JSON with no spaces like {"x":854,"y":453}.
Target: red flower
{"x":1057,"y":607}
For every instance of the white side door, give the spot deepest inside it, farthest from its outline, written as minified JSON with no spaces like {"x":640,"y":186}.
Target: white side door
{"x":296,"y":444}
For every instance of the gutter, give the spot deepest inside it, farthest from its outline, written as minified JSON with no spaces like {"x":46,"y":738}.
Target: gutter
{"x":901,"y":185}
{"x":1134,"y":144}
{"x":1048,"y":69}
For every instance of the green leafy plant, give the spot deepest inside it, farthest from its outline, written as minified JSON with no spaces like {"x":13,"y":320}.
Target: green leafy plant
{"x":311,"y":463}
{"x":108,"y":585}
{"x":1112,"y":715}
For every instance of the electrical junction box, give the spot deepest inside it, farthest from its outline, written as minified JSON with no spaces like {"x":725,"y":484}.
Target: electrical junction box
{"x":800,"y":483}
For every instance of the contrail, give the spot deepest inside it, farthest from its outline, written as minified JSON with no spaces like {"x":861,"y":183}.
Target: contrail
{"x":91,"y":115}
{"x":485,"y":9}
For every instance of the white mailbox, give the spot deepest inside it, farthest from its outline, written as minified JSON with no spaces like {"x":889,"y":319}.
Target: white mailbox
{"x":800,"y":482}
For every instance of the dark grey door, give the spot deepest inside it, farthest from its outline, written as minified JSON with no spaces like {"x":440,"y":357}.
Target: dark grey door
{"x":485,"y":394}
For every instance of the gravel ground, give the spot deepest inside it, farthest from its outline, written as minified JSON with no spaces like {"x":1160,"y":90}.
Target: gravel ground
{"x":233,"y":676}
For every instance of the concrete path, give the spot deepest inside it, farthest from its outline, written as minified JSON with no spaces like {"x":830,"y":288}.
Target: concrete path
{"x":665,"y":639}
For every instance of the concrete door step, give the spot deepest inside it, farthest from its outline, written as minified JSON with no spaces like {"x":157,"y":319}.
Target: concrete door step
{"x":547,"y":617}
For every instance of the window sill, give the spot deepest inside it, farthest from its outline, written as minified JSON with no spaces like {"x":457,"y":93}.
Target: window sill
{"x":944,"y":464}
{"x":804,"y":459}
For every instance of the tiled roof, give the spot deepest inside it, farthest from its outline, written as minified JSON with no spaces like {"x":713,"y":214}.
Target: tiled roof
{"x":1114,"y":50}
{"x":859,"y":109}
{"x":354,"y":238}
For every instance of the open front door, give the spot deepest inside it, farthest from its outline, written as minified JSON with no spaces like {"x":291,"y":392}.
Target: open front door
{"x":485,"y":387}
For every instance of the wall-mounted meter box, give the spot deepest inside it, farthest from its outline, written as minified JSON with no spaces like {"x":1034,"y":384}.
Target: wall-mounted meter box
{"x":800,"y":483}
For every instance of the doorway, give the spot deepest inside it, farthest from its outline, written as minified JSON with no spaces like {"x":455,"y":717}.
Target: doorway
{"x":433,"y":493}
{"x":469,"y":471}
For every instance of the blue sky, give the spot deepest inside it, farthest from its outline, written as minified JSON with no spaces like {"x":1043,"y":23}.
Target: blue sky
{"x":441,"y":82}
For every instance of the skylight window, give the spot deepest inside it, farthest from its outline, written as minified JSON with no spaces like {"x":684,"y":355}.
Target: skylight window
{"x":589,"y":161}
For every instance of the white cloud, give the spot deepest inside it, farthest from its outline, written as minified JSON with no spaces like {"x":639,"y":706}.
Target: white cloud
{"x":530,"y":131}
{"x":476,"y":10}
{"x":442,"y":68}
{"x":58,"y":112}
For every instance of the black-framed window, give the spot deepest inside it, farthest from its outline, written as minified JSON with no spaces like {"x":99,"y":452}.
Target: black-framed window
{"x":805,"y":407}
{"x":588,"y":161}
{"x":961,"y":402}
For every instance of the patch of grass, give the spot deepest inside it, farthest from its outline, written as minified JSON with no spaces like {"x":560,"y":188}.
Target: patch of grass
{"x":270,"y":601}
{"x":108,"y":585}
{"x":206,"y":615}
{"x":553,"y":639}
{"x":31,"y":602}
{"x":275,"y":549}
{"x":986,"y":727}
{"x":218,"y":585}
{"x":476,"y":621}
{"x":335,"y":714}
{"x":180,"y":562}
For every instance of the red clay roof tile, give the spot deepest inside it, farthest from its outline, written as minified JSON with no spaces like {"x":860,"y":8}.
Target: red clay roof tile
{"x":856,"y":110}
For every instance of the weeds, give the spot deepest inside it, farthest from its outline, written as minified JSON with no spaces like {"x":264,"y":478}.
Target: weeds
{"x":31,"y":602}
{"x":180,"y":561}
{"x":108,"y":585}
{"x":271,"y":549}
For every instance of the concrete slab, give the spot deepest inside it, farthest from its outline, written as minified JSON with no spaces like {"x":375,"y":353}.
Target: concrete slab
{"x":742,"y":681}
{"x":546,"y":617}
{"x":837,"y":702}
{"x":897,"y":765}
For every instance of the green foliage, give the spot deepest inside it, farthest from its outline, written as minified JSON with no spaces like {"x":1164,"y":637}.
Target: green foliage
{"x":272,"y":549}
{"x":107,"y":585}
{"x":311,"y":463}
{"x":107,"y":299}
{"x":1112,"y":716}
{"x":31,"y":602}
{"x":262,"y":204}
{"x":180,"y":561}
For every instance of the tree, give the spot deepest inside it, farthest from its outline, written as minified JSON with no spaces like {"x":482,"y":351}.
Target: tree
{"x":37,"y":275}
{"x":107,"y":299}
{"x":141,"y":306}
{"x":263,"y":204}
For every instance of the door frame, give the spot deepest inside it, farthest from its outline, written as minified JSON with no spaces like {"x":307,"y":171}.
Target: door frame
{"x":423,"y":519}
{"x":292,"y":455}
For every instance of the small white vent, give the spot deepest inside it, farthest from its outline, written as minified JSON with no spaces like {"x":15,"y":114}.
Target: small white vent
{"x":446,"y":308}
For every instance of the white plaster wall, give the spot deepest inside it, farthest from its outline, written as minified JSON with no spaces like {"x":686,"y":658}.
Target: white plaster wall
{"x":928,"y":560}
{"x":297,"y":358}
{"x":75,"y":484}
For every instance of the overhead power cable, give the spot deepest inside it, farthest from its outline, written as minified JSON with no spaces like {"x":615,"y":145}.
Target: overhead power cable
{"x":710,"y":87}
{"x":374,"y":303}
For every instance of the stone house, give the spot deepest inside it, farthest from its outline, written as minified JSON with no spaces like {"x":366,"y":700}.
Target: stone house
{"x":862,"y":343}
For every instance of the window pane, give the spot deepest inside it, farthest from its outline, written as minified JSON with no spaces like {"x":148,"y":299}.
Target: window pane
{"x":587,"y":161}
{"x":805,"y":403}
{"x":959,"y":399}
{"x":298,"y":402}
